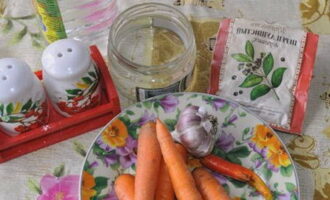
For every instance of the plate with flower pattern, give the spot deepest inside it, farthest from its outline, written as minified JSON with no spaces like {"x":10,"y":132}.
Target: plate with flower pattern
{"x":244,"y":139}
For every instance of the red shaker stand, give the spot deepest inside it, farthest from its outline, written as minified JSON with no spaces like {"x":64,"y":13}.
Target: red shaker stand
{"x":60,"y":128}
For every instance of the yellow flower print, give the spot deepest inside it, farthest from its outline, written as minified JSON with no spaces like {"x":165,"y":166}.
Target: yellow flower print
{"x":278,"y":156}
{"x":264,"y":137}
{"x":82,"y":85}
{"x":115,"y":135}
{"x":87,"y":184}
{"x":17,"y":108}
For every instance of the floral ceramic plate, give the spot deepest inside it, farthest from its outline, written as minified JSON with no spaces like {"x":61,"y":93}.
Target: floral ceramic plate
{"x":244,"y":139}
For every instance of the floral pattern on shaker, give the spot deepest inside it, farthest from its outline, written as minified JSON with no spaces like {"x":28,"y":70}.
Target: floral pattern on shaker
{"x":27,"y":116}
{"x":83,"y":96}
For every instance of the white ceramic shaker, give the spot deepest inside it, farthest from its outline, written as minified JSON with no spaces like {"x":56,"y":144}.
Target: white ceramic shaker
{"x":71,"y":78}
{"x":23,"y":104}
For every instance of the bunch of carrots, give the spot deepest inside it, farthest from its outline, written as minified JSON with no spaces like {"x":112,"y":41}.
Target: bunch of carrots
{"x":162,"y":172}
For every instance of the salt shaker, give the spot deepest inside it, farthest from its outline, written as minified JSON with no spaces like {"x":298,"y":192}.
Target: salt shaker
{"x":23,"y":104}
{"x":71,"y":78}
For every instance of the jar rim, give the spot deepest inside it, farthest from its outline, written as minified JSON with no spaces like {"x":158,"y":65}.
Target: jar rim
{"x":148,"y":68}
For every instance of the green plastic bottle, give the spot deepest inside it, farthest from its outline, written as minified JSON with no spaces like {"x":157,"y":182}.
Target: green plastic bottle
{"x":50,"y":19}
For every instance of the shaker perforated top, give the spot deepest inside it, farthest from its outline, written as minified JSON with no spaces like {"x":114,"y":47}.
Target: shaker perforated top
{"x":16,"y":79}
{"x":66,"y":59}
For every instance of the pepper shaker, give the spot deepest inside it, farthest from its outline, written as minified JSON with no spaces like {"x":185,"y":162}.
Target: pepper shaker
{"x":23,"y":104}
{"x":71,"y":78}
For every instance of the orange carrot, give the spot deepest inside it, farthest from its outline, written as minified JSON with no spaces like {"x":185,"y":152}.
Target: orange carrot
{"x":124,"y":187}
{"x":181,"y":178}
{"x":165,"y":189}
{"x":237,"y":172}
{"x":148,"y":163}
{"x":208,"y":186}
{"x":182,"y":151}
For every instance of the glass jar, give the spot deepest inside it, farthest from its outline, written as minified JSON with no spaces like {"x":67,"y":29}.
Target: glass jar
{"x":151,"y":51}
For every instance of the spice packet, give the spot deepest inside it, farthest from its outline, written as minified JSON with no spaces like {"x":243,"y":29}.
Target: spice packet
{"x":265,"y":67}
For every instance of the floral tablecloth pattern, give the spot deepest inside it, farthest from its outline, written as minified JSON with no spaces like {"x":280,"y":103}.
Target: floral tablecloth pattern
{"x":52,"y":173}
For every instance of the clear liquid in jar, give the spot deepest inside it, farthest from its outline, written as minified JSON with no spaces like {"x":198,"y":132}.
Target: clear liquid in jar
{"x":151,"y":45}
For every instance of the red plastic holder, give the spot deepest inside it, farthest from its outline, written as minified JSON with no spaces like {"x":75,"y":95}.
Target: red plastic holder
{"x":60,"y":128}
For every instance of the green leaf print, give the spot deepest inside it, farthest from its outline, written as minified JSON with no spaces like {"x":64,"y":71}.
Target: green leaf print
{"x":74,"y":91}
{"x":259,"y":91}
{"x":256,"y":157}
{"x":129,"y":112}
{"x":242,"y":114}
{"x":277,"y":76}
{"x":249,"y":50}
{"x":10,"y":108}
{"x":286,"y":171}
{"x":225,"y":108}
{"x":115,"y":166}
{"x":147,"y":104}
{"x":126,"y":120}
{"x":100,"y":184}
{"x":219,"y":152}
{"x":79,"y":148}
{"x":59,"y":171}
{"x":1,"y":109}
{"x":257,"y":70}
{"x":87,"y":80}
{"x":238,"y":184}
{"x":92,"y":74}
{"x":290,"y":187}
{"x":251,"y":80}
{"x":27,"y":106}
{"x":233,"y":158}
{"x":19,"y":35}
{"x":170,"y":123}
{"x":240,"y":57}
{"x":241,"y":152}
{"x":268,"y":64}
{"x":246,"y":134}
{"x":293,"y":197}
{"x":132,"y":130}
{"x":8,"y":26}
{"x":14,"y":119}
{"x":98,"y":150}
{"x":267,"y":173}
{"x":33,"y":186}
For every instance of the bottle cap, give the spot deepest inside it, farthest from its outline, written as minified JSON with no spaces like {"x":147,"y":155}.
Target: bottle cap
{"x":66,"y":59}
{"x":16,"y":79}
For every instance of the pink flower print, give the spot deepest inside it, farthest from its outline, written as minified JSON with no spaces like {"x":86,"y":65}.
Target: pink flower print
{"x":59,"y":188}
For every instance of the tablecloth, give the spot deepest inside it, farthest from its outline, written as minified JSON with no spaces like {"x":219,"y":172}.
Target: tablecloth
{"x":29,"y":176}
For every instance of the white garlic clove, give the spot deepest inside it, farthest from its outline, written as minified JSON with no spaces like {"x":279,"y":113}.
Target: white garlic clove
{"x":196,"y":130}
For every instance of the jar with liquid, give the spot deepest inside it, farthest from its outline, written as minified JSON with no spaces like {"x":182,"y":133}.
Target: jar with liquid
{"x":151,"y":51}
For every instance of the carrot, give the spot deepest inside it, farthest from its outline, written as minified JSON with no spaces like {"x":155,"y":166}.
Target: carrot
{"x":182,"y":151}
{"x":148,"y":163}
{"x":124,"y":187}
{"x":181,"y":178}
{"x":165,"y":189}
{"x":237,"y":172}
{"x":208,"y":186}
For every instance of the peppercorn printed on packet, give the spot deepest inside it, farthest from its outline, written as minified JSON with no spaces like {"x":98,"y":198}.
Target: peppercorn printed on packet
{"x":265,"y":67}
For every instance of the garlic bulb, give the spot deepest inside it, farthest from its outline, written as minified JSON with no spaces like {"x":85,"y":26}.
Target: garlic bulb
{"x":196,"y":130}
